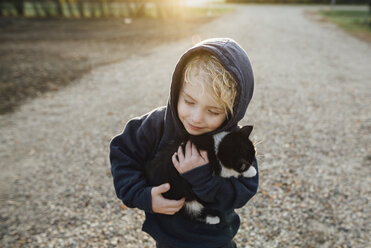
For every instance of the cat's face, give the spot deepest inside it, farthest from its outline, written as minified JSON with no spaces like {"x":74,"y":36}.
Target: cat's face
{"x":236,"y":151}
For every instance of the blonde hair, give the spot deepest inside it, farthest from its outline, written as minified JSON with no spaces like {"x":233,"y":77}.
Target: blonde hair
{"x":217,"y":79}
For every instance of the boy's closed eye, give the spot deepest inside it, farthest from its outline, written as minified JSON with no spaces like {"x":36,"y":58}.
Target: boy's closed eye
{"x":214,"y":113}
{"x":188,"y":102}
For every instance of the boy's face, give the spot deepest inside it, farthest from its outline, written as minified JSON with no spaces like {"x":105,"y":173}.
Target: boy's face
{"x":197,"y":110}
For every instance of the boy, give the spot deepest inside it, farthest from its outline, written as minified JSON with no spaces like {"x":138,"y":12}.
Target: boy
{"x":211,"y":88}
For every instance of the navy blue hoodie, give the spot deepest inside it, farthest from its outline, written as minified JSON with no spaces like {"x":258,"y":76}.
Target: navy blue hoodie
{"x":145,"y":135}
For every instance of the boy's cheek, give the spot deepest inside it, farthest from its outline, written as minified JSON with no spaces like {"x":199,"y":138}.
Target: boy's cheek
{"x":182,"y":111}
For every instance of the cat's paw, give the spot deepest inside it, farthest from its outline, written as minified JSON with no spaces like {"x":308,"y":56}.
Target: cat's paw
{"x":212,"y":220}
{"x":251,"y":172}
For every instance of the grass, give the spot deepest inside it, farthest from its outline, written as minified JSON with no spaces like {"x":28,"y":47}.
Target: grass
{"x":357,"y":22}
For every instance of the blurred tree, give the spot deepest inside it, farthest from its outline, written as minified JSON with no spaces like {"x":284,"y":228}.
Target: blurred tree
{"x":128,"y":5}
{"x":80,"y":7}
{"x":93,"y":8}
{"x":45,"y":6}
{"x":122,"y":4}
{"x":18,"y":4}
{"x":140,"y":8}
{"x":101,"y":8}
{"x":369,"y":13}
{"x":166,"y":8}
{"x":2,"y":8}
{"x":58,"y":6}
{"x":36,"y":8}
{"x":333,"y":2}
{"x":97,"y":8}
{"x":111,"y":7}
{"x":70,"y":8}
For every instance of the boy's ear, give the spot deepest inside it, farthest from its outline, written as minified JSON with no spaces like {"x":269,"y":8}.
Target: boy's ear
{"x":246,"y":130}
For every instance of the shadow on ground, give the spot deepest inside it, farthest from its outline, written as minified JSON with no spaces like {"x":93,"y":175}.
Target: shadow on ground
{"x":40,"y":55}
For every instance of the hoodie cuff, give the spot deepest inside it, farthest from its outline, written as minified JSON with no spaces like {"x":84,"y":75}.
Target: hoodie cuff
{"x":198,"y":176}
{"x":147,"y":204}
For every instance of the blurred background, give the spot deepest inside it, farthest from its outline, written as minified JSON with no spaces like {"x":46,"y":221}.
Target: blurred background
{"x":66,"y":37}
{"x":73,"y":72}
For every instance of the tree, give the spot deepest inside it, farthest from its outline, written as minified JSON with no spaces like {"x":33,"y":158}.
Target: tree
{"x":333,"y":2}
{"x":80,"y":7}
{"x":45,"y":6}
{"x":101,"y":8}
{"x":369,"y":13}
{"x":2,"y":7}
{"x":129,"y":7}
{"x":58,"y":6}
{"x":70,"y":9}
{"x":92,"y":8}
{"x":35,"y":7}
{"x":18,"y":4}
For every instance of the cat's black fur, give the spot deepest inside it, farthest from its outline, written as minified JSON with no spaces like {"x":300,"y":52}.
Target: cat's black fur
{"x":235,"y":151}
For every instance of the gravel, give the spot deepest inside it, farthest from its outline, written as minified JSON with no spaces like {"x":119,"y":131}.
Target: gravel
{"x":311,"y":112}
{"x":39,"y":56}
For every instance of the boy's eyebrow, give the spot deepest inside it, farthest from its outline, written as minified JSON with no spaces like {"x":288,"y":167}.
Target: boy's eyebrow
{"x":187,"y":95}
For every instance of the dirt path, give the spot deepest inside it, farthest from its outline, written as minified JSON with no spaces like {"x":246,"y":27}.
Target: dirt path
{"x":40,"y":55}
{"x":311,"y":112}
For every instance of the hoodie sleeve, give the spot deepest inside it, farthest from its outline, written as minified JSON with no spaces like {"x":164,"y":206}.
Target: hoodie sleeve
{"x":129,"y":152}
{"x":222,"y":193}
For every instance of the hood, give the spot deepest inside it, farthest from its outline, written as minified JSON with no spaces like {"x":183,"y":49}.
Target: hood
{"x":235,"y":60}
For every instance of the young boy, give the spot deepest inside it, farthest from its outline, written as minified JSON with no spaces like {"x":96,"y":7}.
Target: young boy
{"x":211,"y":88}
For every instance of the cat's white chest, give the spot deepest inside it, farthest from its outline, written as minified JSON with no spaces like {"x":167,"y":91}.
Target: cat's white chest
{"x":228,"y":172}
{"x":251,"y":172}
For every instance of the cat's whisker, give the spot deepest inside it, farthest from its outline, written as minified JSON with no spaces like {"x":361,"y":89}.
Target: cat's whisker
{"x":258,"y":142}
{"x":259,"y":155}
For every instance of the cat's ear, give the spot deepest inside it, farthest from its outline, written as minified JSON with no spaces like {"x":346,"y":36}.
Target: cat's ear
{"x":246,"y":130}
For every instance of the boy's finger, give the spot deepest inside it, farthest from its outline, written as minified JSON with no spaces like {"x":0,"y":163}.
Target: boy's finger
{"x":188,"y":150}
{"x":174,"y":203}
{"x":172,"y":211}
{"x":204,"y":154}
{"x":175,"y":161}
{"x":180,"y":154}
{"x":168,"y":212}
{"x":161,"y":189}
{"x":194,"y":150}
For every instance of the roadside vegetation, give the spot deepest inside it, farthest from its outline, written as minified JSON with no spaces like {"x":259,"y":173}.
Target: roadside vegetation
{"x":161,"y":9}
{"x":43,"y":50}
{"x":357,"y":22}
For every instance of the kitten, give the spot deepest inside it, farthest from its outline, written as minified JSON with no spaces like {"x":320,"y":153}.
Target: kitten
{"x":231,"y":154}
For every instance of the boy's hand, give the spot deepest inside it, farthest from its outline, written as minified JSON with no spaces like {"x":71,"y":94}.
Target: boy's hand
{"x":190,"y":160}
{"x":162,"y":205}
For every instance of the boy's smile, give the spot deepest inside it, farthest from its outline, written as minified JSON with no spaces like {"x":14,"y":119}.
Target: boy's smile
{"x":197,"y":110}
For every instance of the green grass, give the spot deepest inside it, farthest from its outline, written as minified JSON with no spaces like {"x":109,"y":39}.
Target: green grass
{"x":208,"y":11}
{"x":357,"y":22}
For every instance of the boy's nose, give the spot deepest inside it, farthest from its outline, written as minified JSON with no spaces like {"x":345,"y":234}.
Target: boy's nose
{"x":197,"y":116}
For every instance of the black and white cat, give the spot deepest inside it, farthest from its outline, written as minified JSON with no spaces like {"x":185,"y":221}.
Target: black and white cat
{"x":231,"y":154}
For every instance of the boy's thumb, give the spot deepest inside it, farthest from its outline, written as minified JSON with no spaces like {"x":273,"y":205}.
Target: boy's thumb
{"x":162,"y":188}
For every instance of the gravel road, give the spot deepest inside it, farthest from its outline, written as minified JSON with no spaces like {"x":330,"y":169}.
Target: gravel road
{"x":312,"y":118}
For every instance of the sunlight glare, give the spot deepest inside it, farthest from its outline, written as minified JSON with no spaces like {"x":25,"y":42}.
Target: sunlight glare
{"x":198,"y":3}
{"x":196,"y":38}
